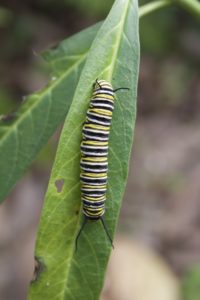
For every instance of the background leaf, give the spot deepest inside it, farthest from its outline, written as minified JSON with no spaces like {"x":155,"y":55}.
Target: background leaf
{"x":114,"y":56}
{"x":41,"y":113}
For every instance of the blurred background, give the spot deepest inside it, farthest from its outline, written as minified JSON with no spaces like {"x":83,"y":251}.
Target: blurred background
{"x":158,"y":243}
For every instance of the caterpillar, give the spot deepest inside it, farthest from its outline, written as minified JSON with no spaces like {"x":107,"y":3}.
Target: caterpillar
{"x":94,"y":153}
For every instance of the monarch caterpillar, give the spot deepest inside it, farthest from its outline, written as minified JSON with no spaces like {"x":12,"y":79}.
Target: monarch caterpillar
{"x":94,"y":153}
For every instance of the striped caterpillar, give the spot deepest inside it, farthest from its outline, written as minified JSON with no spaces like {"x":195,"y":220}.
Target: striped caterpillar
{"x":94,"y":153}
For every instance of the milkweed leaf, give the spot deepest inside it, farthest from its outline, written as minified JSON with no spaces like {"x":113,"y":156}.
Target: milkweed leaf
{"x":70,"y":274}
{"x":23,"y":135}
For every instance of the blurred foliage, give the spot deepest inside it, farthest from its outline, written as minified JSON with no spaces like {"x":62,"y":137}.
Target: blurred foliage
{"x":7,"y":101}
{"x":191,"y":284}
{"x":163,"y":34}
{"x":46,"y":156}
{"x":91,"y":7}
{"x":5,"y":17}
{"x":158,"y":39}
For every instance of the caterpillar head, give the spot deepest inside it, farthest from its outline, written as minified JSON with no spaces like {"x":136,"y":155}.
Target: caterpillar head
{"x":101,"y":84}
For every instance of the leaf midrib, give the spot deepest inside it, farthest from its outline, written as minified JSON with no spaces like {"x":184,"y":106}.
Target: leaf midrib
{"x":116,"y":49}
{"x":118,"y":39}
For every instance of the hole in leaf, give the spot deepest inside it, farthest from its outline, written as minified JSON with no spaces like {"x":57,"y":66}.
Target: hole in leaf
{"x":59,"y":185}
{"x":38,"y":269}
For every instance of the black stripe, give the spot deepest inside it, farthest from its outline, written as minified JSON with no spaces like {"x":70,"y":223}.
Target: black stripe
{"x":95,"y":203}
{"x":99,"y":167}
{"x":101,"y":119}
{"x":94,"y":210}
{"x":95,"y":131}
{"x":97,"y":138}
{"x":102,"y":101}
{"x":102,"y":107}
{"x":93,"y":180}
{"x":94,"y":150}
{"x":100,"y":114}
{"x":96,"y":218}
{"x":102,"y":134}
{"x":88,"y":193}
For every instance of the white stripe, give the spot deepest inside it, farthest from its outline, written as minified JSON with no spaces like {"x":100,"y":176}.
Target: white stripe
{"x":98,"y":122}
{"x":94,"y":170}
{"x":93,"y":190}
{"x":105,"y":132}
{"x":102,"y":105}
{"x":95,"y":147}
{"x":96,"y":137}
{"x":102,"y":91}
{"x":94,"y":163}
{"x":94,"y":153}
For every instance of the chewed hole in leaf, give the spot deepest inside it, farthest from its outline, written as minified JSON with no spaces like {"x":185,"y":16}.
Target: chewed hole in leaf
{"x":59,"y":185}
{"x":38,"y":268}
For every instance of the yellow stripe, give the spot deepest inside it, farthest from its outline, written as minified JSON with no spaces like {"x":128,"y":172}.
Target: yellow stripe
{"x":97,"y":126}
{"x":95,"y":143}
{"x":101,"y":111}
{"x":85,"y":144}
{"x":94,"y":199}
{"x":93,"y":175}
{"x":95,"y":159}
{"x":110,"y":97}
{"x":94,"y":212}
{"x":94,"y":187}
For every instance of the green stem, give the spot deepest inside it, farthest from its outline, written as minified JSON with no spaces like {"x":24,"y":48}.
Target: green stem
{"x":152,"y":6}
{"x":192,"y":6}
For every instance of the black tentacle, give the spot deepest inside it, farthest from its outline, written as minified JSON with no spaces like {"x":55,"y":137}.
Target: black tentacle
{"x":106,"y":230}
{"x":79,"y":233}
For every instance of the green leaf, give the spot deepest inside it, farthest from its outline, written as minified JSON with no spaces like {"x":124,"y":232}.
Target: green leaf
{"x":64,"y":273}
{"x":23,"y":136}
{"x":22,"y":139}
{"x":191,"y":283}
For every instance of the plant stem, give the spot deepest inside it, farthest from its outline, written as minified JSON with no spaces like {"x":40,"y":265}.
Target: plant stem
{"x":152,"y":6}
{"x":192,"y":6}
